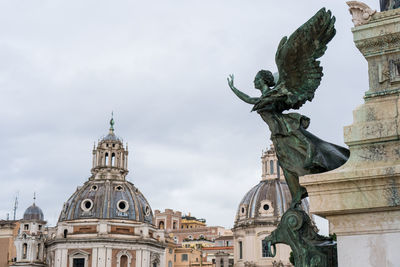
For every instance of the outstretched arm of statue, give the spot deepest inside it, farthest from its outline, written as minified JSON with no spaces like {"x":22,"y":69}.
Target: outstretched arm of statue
{"x":241,"y":95}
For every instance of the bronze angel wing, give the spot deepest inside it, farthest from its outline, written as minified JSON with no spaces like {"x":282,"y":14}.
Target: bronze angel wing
{"x":300,"y":72}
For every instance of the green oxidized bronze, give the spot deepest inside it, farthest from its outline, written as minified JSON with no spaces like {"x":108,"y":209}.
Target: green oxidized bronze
{"x":299,"y":152}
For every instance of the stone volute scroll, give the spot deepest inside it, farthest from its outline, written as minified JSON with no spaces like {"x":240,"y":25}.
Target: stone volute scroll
{"x":361,"y":12}
{"x":299,"y":152}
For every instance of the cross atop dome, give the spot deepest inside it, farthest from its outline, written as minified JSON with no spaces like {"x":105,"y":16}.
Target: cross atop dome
{"x":112,"y":122}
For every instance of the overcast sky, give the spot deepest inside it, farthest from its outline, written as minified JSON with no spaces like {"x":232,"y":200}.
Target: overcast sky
{"x":161,"y":66}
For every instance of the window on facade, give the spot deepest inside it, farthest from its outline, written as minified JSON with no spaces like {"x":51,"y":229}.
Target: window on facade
{"x":170,"y":264}
{"x":154,"y":264}
{"x":175,"y":258}
{"x":266,"y":250}
{"x":123,"y":261}
{"x":184,"y":257}
{"x":38,"y":252}
{"x":87,"y":204}
{"x":161,"y":225}
{"x":240,"y":250}
{"x":106,"y":159}
{"x":26,"y":226}
{"x":231,"y":262}
{"x":271,"y":167}
{"x":65,"y":233}
{"x":113,"y":159}
{"x":24,"y":250}
{"x":222,"y":262}
{"x":174,"y":225}
{"x":78,"y":262}
{"x":278,"y":169}
{"x":40,"y":227}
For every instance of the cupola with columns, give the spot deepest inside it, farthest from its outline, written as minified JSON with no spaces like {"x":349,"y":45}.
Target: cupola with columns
{"x":110,"y":158}
{"x":270,"y":165}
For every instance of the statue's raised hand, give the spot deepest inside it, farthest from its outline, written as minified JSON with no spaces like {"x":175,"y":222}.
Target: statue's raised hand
{"x":241,"y":95}
{"x":230,"y":81}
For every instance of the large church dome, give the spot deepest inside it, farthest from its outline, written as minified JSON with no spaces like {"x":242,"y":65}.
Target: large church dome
{"x":107,"y":221}
{"x":107,"y":194}
{"x":269,"y":199}
{"x":107,"y":200}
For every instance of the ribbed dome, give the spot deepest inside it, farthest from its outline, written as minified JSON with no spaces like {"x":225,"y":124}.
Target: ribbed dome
{"x":33,"y":213}
{"x":107,"y":200}
{"x":110,"y":137}
{"x":266,"y":201}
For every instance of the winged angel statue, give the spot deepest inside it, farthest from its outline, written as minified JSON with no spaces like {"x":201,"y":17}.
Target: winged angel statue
{"x":299,"y":152}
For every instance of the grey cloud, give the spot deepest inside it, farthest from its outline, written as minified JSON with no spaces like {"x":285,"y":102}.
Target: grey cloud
{"x":162,"y":67}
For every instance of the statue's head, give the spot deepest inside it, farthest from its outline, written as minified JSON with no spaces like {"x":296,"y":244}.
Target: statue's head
{"x":264,"y":77}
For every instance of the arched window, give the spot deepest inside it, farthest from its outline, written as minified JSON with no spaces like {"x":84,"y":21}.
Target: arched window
{"x":240,"y":250}
{"x":65,"y":233}
{"x":38,"y":252}
{"x":113,"y":159}
{"x":278,"y":169}
{"x":170,"y":264}
{"x":124,"y":261}
{"x":106,"y":159}
{"x":154,"y":264}
{"x":24,"y":250}
{"x":271,"y":167}
{"x":161,"y":225}
{"x":174,"y":225}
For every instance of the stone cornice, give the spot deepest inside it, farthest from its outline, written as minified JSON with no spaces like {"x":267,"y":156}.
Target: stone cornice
{"x":374,"y":46}
{"x":108,"y":241}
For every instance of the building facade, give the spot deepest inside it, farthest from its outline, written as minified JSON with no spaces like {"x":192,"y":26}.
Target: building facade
{"x":8,"y":232}
{"x":187,"y":228}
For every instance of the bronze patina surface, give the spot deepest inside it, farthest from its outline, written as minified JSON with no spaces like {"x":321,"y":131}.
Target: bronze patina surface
{"x":389,"y":4}
{"x":299,"y":152}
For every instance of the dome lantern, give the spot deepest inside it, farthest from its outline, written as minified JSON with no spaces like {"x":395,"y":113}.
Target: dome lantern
{"x":110,"y":158}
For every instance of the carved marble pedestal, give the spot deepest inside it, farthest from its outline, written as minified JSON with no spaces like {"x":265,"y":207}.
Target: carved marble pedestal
{"x":361,"y":199}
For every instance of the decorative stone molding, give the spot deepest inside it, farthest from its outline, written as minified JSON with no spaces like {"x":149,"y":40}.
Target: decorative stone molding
{"x":155,"y":259}
{"x":75,"y":254}
{"x":277,"y":264}
{"x":250,"y":264}
{"x":124,"y":253}
{"x":361,"y":12}
{"x":375,"y":45}
{"x":266,"y":208}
